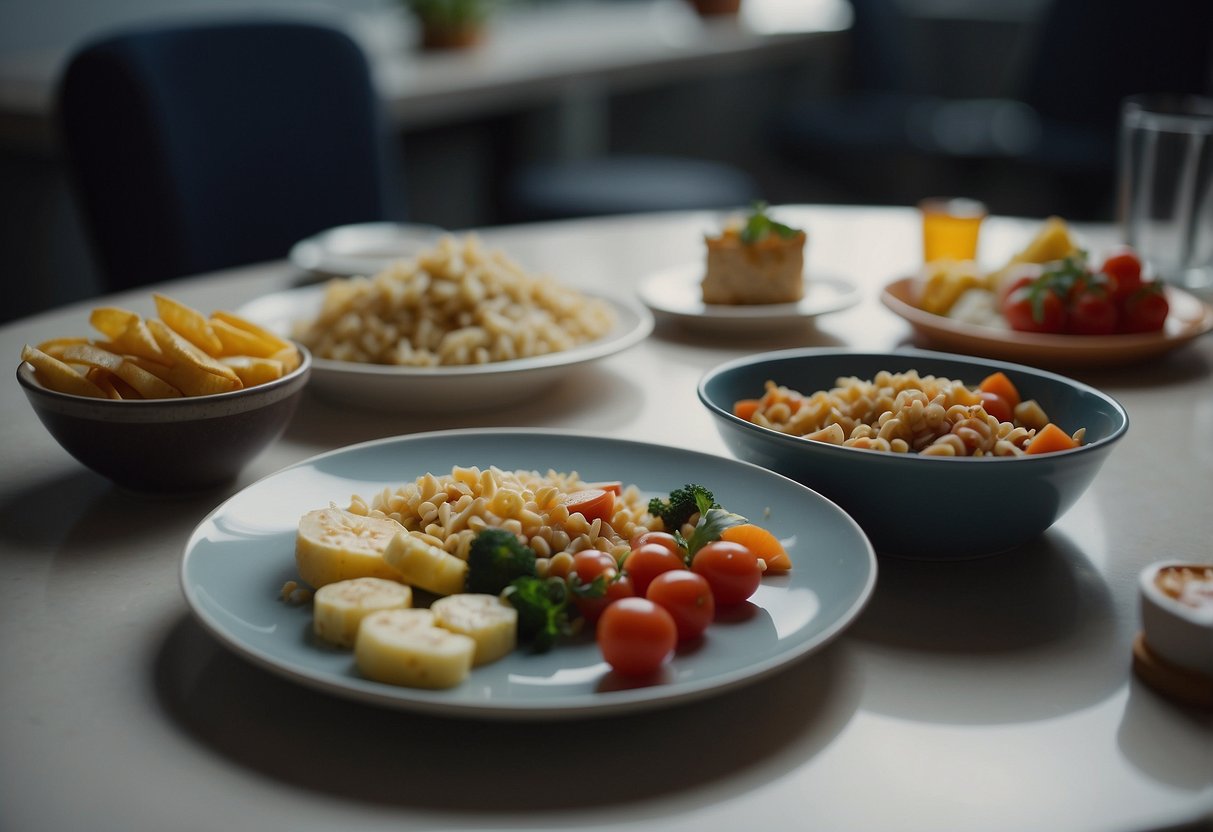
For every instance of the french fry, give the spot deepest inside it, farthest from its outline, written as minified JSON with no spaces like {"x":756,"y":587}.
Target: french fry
{"x":147,"y":384}
{"x":194,"y":380}
{"x":189,"y":323}
{"x":54,"y":374}
{"x":103,"y":379}
{"x":248,"y":326}
{"x":237,"y":341}
{"x":91,"y":356}
{"x":179,"y":351}
{"x":254,"y":370}
{"x":55,"y":346}
{"x":110,"y":321}
{"x":156,"y":368}
{"x":136,"y":339}
{"x":125,"y":391}
{"x":290,"y":358}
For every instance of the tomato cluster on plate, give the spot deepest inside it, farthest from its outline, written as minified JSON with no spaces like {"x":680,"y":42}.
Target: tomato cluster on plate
{"x":1070,"y":297}
{"x":661,"y":597}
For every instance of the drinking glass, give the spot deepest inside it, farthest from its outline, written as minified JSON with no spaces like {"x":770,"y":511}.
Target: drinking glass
{"x":1165,"y":200}
{"x":950,"y":228}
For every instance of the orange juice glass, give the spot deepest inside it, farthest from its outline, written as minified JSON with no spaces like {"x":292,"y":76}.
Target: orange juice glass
{"x":950,"y":228}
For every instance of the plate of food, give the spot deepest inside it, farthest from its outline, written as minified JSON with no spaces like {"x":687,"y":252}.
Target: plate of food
{"x":1050,"y":305}
{"x":753,"y":277}
{"x":454,"y":329}
{"x":243,"y":564}
{"x":362,"y":248}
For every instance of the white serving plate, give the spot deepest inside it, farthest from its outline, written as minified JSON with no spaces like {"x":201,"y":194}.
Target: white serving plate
{"x":675,"y":293}
{"x":238,"y":559}
{"x":448,"y":388}
{"x":363,"y":248}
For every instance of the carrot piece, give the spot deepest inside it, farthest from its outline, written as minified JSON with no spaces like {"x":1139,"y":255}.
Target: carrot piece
{"x":746,"y":408}
{"x":1051,"y":439}
{"x":762,"y":543}
{"x":999,"y":384}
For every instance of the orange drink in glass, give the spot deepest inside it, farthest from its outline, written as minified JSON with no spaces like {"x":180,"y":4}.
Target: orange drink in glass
{"x":950,"y":228}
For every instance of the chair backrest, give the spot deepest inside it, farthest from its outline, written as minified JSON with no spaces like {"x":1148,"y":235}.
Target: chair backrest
{"x":1091,"y":54}
{"x":200,"y":147}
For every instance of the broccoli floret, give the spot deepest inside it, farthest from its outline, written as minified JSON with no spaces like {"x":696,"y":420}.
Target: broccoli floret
{"x":495,"y":559}
{"x":683,"y":502}
{"x":543,"y":610}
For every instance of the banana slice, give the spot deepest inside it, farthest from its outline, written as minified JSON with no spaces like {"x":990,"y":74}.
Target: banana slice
{"x":406,"y":647}
{"x":338,"y":608}
{"x":335,"y":545}
{"x":425,"y":566}
{"x":486,"y":619}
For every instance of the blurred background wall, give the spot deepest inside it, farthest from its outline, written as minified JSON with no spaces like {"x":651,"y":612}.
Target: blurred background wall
{"x":906,"y":61}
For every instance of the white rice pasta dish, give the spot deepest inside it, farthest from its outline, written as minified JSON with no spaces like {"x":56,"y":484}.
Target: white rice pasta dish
{"x":455,"y":304}
{"x":908,"y":413}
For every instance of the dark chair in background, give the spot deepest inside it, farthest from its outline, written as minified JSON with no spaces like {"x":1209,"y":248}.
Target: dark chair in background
{"x":1049,"y":147}
{"x":625,"y":184}
{"x":200,"y":147}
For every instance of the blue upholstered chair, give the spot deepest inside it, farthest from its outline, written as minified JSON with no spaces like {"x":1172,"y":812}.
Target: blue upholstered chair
{"x":204,"y":146}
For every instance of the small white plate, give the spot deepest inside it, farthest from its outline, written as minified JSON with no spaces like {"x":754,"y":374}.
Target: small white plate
{"x":239,"y":557}
{"x":364,"y":248}
{"x":448,"y":388}
{"x":676,"y":293}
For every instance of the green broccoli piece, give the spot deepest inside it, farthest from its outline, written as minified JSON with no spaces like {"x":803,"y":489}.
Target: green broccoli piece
{"x":495,"y":559}
{"x":759,"y":225}
{"x":682,"y":504}
{"x":543,"y":610}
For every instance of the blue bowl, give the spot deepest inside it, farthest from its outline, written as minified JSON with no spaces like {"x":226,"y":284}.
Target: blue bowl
{"x":924,"y":507}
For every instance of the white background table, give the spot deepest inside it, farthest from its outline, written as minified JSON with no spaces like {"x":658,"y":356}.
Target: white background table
{"x":993,"y":694}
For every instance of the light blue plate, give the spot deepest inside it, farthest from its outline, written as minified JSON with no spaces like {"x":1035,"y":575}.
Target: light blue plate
{"x":239,"y":557}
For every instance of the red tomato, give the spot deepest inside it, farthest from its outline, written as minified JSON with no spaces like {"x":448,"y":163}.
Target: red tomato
{"x":588,"y":566}
{"x":614,"y":486}
{"x":687,"y":597}
{"x":1145,"y":310}
{"x":1124,"y":268}
{"x":663,"y":538}
{"x":647,"y":561}
{"x":1021,"y":275}
{"x":1034,"y":308}
{"x":997,"y":407}
{"x":731,"y":570}
{"x":636,"y":636}
{"x":1093,"y":312}
{"x":591,"y":503}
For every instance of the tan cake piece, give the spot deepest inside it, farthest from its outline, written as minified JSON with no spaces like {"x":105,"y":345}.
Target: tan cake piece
{"x":755,"y":268}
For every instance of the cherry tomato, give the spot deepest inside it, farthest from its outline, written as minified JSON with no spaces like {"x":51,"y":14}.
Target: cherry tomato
{"x":1093,"y":312}
{"x":1021,"y":274}
{"x":591,"y":503}
{"x":731,"y":570}
{"x":636,"y":636}
{"x":1145,"y":310}
{"x":591,"y":609}
{"x":613,"y":486}
{"x":647,"y":561}
{"x":997,"y":406}
{"x":687,"y":597}
{"x":1124,"y":268}
{"x":663,"y":538}
{"x":1035,"y":308}
{"x":588,"y":566}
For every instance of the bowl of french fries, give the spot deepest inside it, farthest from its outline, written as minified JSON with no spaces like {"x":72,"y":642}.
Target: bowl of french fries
{"x":177,"y":401}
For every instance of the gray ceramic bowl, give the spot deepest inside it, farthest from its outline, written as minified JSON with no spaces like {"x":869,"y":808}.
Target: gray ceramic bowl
{"x":169,"y":445}
{"x":914,"y":506}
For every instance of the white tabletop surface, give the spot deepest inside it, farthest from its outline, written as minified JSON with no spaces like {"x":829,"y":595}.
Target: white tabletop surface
{"x":994,"y":694}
